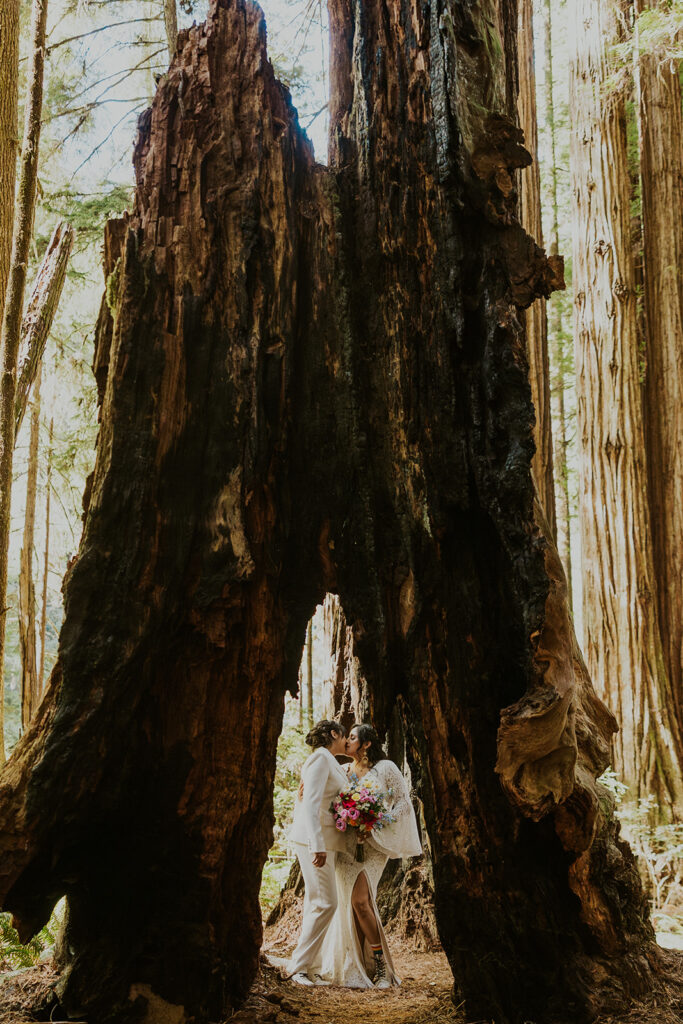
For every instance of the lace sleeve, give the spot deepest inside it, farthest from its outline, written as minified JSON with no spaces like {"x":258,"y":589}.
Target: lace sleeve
{"x":396,"y":790}
{"x":401,"y":838}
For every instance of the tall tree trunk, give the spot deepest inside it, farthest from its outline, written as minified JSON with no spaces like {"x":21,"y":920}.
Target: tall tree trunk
{"x":314,"y":381}
{"x":14,"y":303}
{"x":40,"y":312}
{"x":309,"y":672}
{"x":171,"y":26}
{"x":536,"y":315}
{"x":46,"y":559}
{"x":622,"y":638}
{"x":27,"y":594}
{"x":660,"y":125}
{"x":9,"y":95}
{"x":560,"y":431}
{"x":9,"y":143}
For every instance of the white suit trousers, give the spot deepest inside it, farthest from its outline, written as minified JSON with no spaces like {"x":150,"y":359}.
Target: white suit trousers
{"x":320,"y":903}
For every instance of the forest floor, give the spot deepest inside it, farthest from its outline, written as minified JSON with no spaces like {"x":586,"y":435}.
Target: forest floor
{"x":423,"y":998}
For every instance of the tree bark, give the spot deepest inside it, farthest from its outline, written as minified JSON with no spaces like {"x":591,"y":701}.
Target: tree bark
{"x":171,"y":26}
{"x":559,"y":417}
{"x":309,"y":672}
{"x":348,"y":697}
{"x":622,"y":638}
{"x":40,"y":312}
{"x":536,"y":315}
{"x":46,"y":560}
{"x":9,"y":97}
{"x":314,"y":381}
{"x":14,"y":302}
{"x":27,"y":594}
{"x":660,"y":125}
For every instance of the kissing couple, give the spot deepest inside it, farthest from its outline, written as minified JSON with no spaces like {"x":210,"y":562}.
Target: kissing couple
{"x":348,"y":821}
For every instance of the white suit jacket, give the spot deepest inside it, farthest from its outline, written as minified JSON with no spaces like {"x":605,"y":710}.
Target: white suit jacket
{"x":313,"y":823}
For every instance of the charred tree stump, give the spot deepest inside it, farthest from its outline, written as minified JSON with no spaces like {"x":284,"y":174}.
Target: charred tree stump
{"x":314,"y":380}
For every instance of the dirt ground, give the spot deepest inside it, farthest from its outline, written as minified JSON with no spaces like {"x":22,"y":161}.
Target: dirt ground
{"x":423,"y":998}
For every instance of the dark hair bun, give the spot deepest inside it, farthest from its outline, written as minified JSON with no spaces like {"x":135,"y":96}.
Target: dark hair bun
{"x":321,"y":733}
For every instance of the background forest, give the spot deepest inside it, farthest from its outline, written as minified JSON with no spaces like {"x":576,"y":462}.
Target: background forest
{"x":606,"y":374}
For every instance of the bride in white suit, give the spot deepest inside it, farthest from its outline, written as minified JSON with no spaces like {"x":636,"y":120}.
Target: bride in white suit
{"x":316,"y":841}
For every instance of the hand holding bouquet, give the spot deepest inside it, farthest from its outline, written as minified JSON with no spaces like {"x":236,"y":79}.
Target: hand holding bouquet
{"x":361,"y":808}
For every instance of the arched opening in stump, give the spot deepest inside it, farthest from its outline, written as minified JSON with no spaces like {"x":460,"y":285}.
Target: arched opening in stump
{"x":340,"y":691}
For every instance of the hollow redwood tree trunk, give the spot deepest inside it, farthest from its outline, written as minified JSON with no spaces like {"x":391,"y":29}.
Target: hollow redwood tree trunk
{"x":314,"y":380}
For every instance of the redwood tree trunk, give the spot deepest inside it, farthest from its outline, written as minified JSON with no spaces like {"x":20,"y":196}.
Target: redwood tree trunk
{"x":560,"y":428}
{"x":660,"y":124}
{"x":314,"y":380}
{"x":622,"y":638}
{"x":536,"y":316}
{"x":27,"y":591}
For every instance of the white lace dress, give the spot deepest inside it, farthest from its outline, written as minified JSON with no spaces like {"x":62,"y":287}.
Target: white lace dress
{"x":344,"y":961}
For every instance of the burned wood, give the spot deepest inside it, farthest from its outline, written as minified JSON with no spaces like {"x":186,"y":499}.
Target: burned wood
{"x":314,"y":380}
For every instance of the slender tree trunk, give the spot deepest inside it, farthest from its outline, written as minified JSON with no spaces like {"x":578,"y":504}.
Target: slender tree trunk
{"x":560,"y":431}
{"x":660,"y":125}
{"x":46,"y":560}
{"x":27,"y":597}
{"x":536,"y":316}
{"x":314,"y":381}
{"x":309,"y":672}
{"x":171,"y":26}
{"x":9,"y":84}
{"x":40,"y":312}
{"x":14,"y":303}
{"x":623,"y":643}
{"x":9,"y":143}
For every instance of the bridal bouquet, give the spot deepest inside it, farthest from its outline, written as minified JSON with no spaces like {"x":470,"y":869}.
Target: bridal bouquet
{"x":360,"y":808}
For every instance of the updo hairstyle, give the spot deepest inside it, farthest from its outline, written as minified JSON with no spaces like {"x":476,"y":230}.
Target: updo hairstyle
{"x":366,"y":733}
{"x":321,"y":733}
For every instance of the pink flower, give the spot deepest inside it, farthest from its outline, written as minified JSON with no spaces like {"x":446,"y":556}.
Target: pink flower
{"x":354,"y":814}
{"x":341,"y":825}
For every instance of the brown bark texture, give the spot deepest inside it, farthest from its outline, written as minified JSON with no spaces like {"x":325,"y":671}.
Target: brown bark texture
{"x":27,"y":590}
{"x":22,"y":230}
{"x":39,"y":314}
{"x":9,"y":97}
{"x":314,"y":380}
{"x":46,"y":558}
{"x":557,"y":347}
{"x":9,"y":130}
{"x":171,"y":26}
{"x":536,"y":315}
{"x":309,"y":673}
{"x":622,"y":637}
{"x":348,"y":693}
{"x":660,"y":125}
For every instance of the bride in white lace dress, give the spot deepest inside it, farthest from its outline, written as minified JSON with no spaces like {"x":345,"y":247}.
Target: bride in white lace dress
{"x":355,"y":952}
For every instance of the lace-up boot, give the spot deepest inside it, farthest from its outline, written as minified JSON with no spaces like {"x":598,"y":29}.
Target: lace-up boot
{"x":381,"y":980}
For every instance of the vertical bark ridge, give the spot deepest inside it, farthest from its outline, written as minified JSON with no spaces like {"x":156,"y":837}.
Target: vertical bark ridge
{"x":623,"y":643}
{"x":22,"y":230}
{"x":660,"y":124}
{"x":560,"y":435}
{"x":536,"y":317}
{"x":27,"y":590}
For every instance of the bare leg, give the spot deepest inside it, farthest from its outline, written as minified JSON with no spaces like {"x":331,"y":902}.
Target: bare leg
{"x":363,"y":911}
